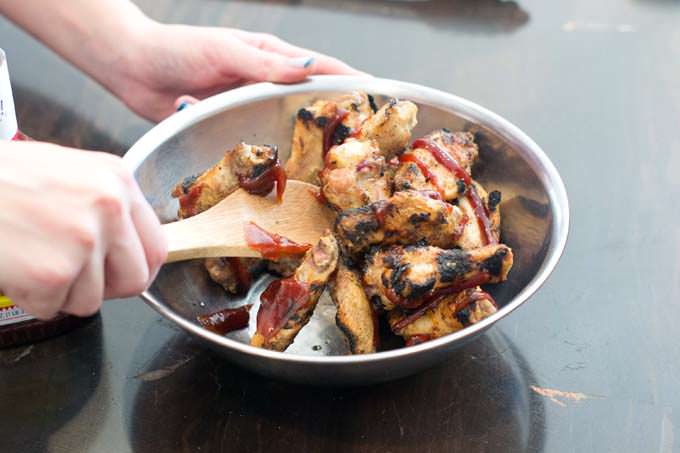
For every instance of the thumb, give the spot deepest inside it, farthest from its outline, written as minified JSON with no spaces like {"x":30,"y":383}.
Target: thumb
{"x":259,"y":65}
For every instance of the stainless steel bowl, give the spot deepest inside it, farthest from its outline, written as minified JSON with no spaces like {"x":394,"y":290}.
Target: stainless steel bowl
{"x":535,"y":219}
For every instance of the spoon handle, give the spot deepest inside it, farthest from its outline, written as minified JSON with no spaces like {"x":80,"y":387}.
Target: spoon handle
{"x":189,"y":239}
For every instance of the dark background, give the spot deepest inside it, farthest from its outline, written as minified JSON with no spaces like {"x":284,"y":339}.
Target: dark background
{"x":595,"y":83}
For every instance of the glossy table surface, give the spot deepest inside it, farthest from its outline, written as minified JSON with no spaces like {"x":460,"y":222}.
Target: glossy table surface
{"x":591,"y":363}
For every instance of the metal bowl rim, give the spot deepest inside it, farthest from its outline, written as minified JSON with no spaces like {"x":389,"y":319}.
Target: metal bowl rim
{"x":257,"y":92}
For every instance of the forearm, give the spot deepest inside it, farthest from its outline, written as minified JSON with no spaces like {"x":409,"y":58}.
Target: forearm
{"x":97,"y":36}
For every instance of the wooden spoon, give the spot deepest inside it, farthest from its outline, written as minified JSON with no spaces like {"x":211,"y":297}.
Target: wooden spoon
{"x":219,"y":231}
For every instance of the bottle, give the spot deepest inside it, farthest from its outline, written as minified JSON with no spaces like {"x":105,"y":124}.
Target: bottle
{"x":16,"y":326}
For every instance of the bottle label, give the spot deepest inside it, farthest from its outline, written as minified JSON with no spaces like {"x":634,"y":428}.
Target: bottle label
{"x":10,"y":313}
{"x":8,"y":119}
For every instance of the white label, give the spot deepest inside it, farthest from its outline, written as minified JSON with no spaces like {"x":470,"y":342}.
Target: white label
{"x":8,"y":118}
{"x":10,"y":313}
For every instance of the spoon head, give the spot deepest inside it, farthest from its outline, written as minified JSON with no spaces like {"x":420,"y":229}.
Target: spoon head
{"x":299,"y":217}
{"x":220,"y":231}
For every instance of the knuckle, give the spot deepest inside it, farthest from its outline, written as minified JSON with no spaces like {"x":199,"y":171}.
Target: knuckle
{"x":52,"y":278}
{"x":158,"y":254}
{"x":110,"y":204}
{"x":84,"y":235}
{"x":131,"y":286}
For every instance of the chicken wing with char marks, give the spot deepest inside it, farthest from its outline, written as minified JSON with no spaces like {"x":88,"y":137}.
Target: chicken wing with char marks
{"x":408,"y":217}
{"x":354,"y":175}
{"x":235,"y":275}
{"x":239,"y":166}
{"x":320,"y":126}
{"x":420,"y":169}
{"x":248,"y":166}
{"x":443,"y":316}
{"x":391,"y":127}
{"x":410,"y":276}
{"x":287,"y":304}
{"x":355,"y":316}
{"x":473,"y":235}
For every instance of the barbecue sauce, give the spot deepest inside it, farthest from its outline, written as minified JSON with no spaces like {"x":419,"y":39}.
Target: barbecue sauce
{"x":425,"y":170}
{"x":241,"y":272}
{"x":436,"y":297}
{"x":226,"y":320}
{"x":278,"y":303}
{"x":476,"y":279}
{"x":271,"y":245}
{"x":264,"y":183}
{"x":187,"y":202}
{"x":318,"y":194}
{"x":330,"y":126}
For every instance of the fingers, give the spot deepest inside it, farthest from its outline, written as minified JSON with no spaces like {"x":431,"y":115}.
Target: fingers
{"x":264,"y":66}
{"x":87,"y":291}
{"x":152,"y":237}
{"x":184,"y":101}
{"x":323,"y":64}
{"x":126,"y":267}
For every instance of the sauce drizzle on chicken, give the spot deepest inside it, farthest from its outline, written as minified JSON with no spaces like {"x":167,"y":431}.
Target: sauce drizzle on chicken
{"x":445,"y":159}
{"x":264,"y":183}
{"x":279,"y":302}
{"x":242,"y":274}
{"x":330,"y":127}
{"x":436,"y":298}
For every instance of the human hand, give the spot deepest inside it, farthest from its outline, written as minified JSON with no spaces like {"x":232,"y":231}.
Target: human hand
{"x":174,"y":60}
{"x":75,"y":229}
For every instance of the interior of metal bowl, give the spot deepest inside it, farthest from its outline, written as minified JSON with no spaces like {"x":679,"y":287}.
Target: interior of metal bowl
{"x":534,"y":208}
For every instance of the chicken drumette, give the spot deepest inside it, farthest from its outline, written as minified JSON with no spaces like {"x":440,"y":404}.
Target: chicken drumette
{"x":254,"y":168}
{"x":355,"y":316}
{"x":320,"y":126}
{"x":443,"y":316}
{"x":355,"y":174}
{"x":287,"y":304}
{"x":391,"y":127}
{"x":408,"y":217}
{"x":424,"y":166}
{"x":409,"y":276}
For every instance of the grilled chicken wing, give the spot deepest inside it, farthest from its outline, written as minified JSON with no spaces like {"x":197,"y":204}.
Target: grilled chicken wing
{"x":287,"y":304}
{"x":445,"y":315}
{"x":354,"y":175}
{"x":240,"y":165}
{"x":420,"y":169}
{"x":286,"y":265}
{"x":355,"y":316}
{"x":244,"y":165}
{"x":408,"y":217}
{"x":321,"y":125}
{"x":391,"y":127}
{"x":472,"y":236}
{"x":408,"y":276}
{"x":235,"y":275}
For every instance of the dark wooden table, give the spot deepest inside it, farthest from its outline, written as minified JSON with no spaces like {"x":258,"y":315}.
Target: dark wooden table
{"x":591,"y":363}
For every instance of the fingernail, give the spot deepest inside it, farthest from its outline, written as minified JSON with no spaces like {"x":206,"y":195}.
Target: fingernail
{"x":182,"y":106}
{"x":301,"y":62}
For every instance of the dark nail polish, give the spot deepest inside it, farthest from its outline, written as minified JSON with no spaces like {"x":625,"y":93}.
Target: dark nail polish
{"x":182,"y":106}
